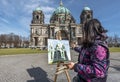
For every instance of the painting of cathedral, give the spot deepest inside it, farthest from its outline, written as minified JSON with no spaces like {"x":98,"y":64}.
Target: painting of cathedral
{"x":62,"y":25}
{"x":58,"y":50}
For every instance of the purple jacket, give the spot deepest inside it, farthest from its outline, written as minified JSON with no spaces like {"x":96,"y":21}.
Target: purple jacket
{"x":93,"y":62}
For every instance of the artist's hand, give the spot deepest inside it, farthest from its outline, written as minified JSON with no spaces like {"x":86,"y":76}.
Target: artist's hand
{"x":73,"y":44}
{"x":71,"y":65}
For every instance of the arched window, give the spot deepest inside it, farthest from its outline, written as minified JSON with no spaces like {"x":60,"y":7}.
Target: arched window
{"x":88,"y":16}
{"x":37,"y":17}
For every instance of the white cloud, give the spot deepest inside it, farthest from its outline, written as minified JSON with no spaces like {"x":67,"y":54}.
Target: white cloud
{"x":32,"y":5}
{"x":47,"y":12}
{"x":40,"y":1}
{"x":47,"y":18}
{"x":25,"y":23}
{"x":47,"y":9}
{"x":4,"y":20}
{"x":47,"y":1}
{"x":8,"y":8}
{"x":5,"y":28}
{"x":20,"y":12}
{"x":29,"y":8}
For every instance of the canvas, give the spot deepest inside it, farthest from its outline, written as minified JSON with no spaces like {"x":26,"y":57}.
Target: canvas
{"x":58,"y":50}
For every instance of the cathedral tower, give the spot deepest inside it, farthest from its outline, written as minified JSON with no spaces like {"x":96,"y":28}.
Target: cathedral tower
{"x":39,"y":30}
{"x":38,"y":16}
{"x":86,"y":15}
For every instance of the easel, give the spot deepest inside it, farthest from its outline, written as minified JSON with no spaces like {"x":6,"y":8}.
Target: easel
{"x":61,"y":70}
{"x":61,"y":67}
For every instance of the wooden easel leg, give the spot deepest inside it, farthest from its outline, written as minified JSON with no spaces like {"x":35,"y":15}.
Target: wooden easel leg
{"x":67,"y":75}
{"x":55,"y":78}
{"x":58,"y":65}
{"x":65,"y":71}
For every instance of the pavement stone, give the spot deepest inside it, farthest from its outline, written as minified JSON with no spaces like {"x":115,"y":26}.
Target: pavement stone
{"x":35,"y":68}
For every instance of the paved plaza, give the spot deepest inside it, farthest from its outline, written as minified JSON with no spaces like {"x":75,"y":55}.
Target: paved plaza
{"x":35,"y":68}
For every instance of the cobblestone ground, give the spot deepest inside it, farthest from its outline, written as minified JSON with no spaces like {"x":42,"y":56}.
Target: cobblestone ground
{"x":34,"y":68}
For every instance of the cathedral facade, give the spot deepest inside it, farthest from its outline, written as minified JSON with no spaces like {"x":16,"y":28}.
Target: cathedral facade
{"x":62,"y":26}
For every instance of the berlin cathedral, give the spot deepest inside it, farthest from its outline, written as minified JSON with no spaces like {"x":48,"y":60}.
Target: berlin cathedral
{"x":62,"y":26}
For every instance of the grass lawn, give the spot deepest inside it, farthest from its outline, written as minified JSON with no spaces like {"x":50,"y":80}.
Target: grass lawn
{"x":114,"y":49}
{"x":12,"y":51}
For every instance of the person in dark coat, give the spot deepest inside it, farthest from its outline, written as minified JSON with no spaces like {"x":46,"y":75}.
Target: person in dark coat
{"x":93,"y":59}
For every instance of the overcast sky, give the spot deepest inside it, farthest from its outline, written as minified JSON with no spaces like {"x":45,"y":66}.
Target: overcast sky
{"x":16,"y":15}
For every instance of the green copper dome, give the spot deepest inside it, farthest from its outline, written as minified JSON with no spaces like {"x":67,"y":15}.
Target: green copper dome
{"x":87,"y":8}
{"x":61,"y":9}
{"x":61,"y":15}
{"x":38,"y":9}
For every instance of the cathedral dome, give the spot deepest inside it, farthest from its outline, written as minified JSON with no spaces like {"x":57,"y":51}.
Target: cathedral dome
{"x":61,"y":9}
{"x":62,"y":15}
{"x":38,"y":9}
{"x":87,"y":8}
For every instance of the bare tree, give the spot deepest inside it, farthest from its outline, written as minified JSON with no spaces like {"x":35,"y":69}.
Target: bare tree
{"x":4,"y":39}
{"x":110,"y":41}
{"x":10,"y":39}
{"x":16,"y":41}
{"x":13,"y":40}
{"x":114,"y":41}
{"x":25,"y":41}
